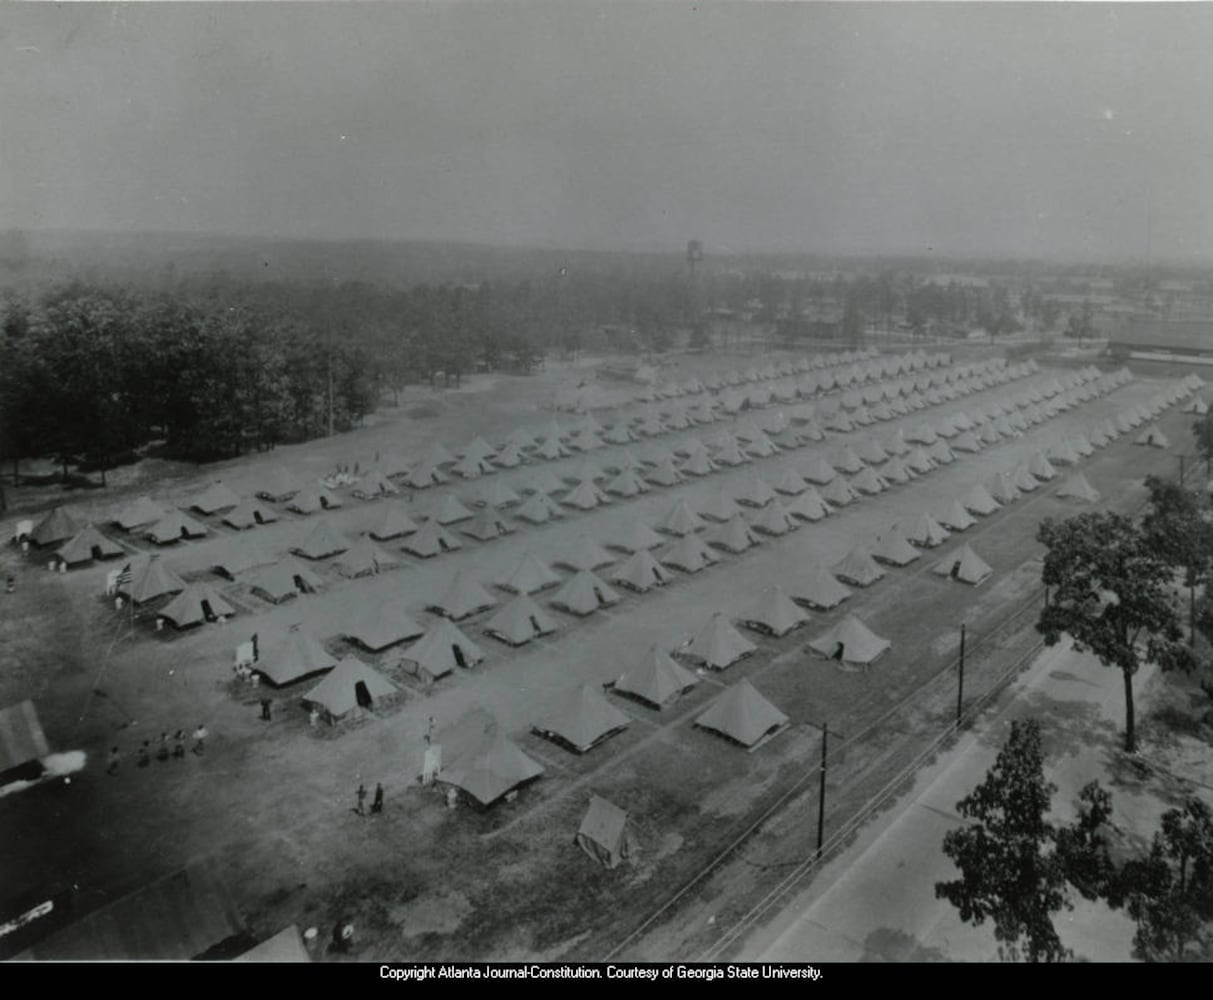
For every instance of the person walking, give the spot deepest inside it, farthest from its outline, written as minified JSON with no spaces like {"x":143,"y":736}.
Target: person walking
{"x":313,"y":717}
{"x":265,"y":710}
{"x":115,"y":757}
{"x":377,"y":804}
{"x":361,"y":810}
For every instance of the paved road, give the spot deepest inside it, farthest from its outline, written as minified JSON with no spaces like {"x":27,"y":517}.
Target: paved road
{"x":876,"y":902}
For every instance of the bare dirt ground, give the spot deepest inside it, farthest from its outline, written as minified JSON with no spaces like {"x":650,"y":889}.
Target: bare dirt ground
{"x":271,"y":803}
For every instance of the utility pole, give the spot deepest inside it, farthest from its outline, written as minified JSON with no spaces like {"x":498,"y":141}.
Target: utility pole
{"x":960,"y":688}
{"x":821,"y":791}
{"x":330,"y":393}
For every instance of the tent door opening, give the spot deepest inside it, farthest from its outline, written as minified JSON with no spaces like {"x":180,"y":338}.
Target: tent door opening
{"x":459,"y":657}
{"x":362,"y":695}
{"x":207,"y":613}
{"x":535,"y":625}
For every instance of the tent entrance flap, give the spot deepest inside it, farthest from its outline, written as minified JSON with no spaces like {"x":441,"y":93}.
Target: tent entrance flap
{"x":458,"y":654}
{"x":362,"y":695}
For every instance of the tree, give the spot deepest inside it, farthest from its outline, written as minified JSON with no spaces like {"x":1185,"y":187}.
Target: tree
{"x":1202,"y":430}
{"x":1110,"y":588}
{"x":1169,"y":892}
{"x":1177,"y":528}
{"x":1010,"y":871}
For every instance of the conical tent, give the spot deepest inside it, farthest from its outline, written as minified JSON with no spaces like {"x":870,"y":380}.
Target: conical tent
{"x":871,"y":452}
{"x":487,"y":525}
{"x":443,"y":648}
{"x":896,"y":471}
{"x":850,"y":642}
{"x":698,"y":464}
{"x":551,"y":449}
{"x":719,"y":507}
{"x":978,"y":500}
{"x":463,"y":598}
{"x":735,"y":535}
{"x":528,"y":576}
{"x":283,"y":580}
{"x":510,"y":457}
{"x":717,"y":645}
{"x":1154,"y":438}
{"x":1040,"y":468}
{"x":437,"y":454}
{"x":627,"y":484}
{"x":583,"y":719}
{"x":430,"y":540}
{"x":666,"y":474}
{"x":845,"y":460}
{"x":604,"y":833}
{"x":839,"y":492}
{"x":293,"y":657}
{"x":519,"y":438}
{"x":1003,"y":489}
{"x":940,"y":453}
{"x":680,"y":520}
{"x":584,"y":497}
{"x":277,"y":485}
{"x":198,"y":603}
{"x":965,"y":565}
{"x":365,"y":558}
{"x":918,"y":461}
{"x":761,"y":447}
{"x":491,"y":770}
{"x":497,"y":494}
{"x":809,"y":506}
{"x":86,"y":545}
{"x":730,"y":453}
{"x":587,"y":471}
{"x":688,"y":554}
{"x":175,"y":526}
{"x":391,"y":521}
{"x":152,"y":579}
{"x":448,"y":510}
{"x":584,"y":594}
{"x":249,"y":514}
{"x":215,"y":498}
{"x":375,"y":484}
{"x":869,"y":482}
{"x":641,"y":573}
{"x":349,"y":685}
{"x":311,"y":499}
{"x":955,"y":517}
{"x":322,"y":542}
{"x":637,"y":536}
{"x":894,"y":549}
{"x":379,"y":626}
{"x":1078,"y":488}
{"x":743,"y":715}
{"x":424,"y":475}
{"x":138,"y":513}
{"x":656,"y":679}
{"x":585,"y":553}
{"x":1024,"y":481}
{"x":858,"y":568}
{"x":773,"y":520}
{"x":774,"y":613}
{"x":478,"y":447}
{"x":539,"y":508}
{"x":520,"y":621}
{"x":544,"y":481}
{"x":790,"y":483}
{"x":755,"y":493}
{"x":818,"y":589}
{"x":238,"y":556}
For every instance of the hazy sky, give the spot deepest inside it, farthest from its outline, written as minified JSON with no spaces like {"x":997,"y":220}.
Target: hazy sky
{"x":997,"y":129}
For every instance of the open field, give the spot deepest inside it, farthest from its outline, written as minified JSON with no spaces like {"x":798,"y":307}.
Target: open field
{"x":271,"y":803}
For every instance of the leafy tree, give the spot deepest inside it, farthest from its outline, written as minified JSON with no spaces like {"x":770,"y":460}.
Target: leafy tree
{"x":1009,"y":867}
{"x":1176,"y":526}
{"x":1110,"y":589}
{"x":1169,"y":892}
{"x":1202,"y":431}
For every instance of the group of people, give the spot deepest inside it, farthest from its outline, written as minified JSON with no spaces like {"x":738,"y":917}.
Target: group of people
{"x":162,"y":752}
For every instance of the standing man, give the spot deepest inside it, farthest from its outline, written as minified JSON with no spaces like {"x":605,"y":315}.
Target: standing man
{"x":265,"y":709}
{"x":361,"y":810}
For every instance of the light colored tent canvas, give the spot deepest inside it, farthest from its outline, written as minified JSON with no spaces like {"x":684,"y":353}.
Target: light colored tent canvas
{"x":636,"y":536}
{"x":197,"y":604}
{"x":375,"y":484}
{"x":350,"y":685}
{"x":430,"y":540}
{"x":641,"y":573}
{"x":463,"y":598}
{"x":955,"y":517}
{"x":365,"y":558}
{"x":718,"y":506}
{"x":215,"y":498}
{"x":1077,"y":487}
{"x":86,"y":545}
{"x":539,"y":508}
{"x":964,"y":565}
{"x":239,"y":555}
{"x":585,"y":554}
{"x":1040,"y":467}
{"x":138,"y":513}
{"x":292,"y":657}
{"x":311,"y":499}
{"x":680,"y":520}
{"x":487,"y":525}
{"x":818,"y":471}
{"x":894,"y":549}
{"x":497,"y":494}
{"x":839,"y":492}
{"x":529,"y":575}
{"x":774,"y":520}
{"x":449,"y":510}
{"x":151,"y":577}
{"x":605,"y":833}
{"x":583,"y":719}
{"x":627,"y":484}
{"x":665,"y":474}
{"x":809,"y":506}
{"x":584,"y":594}
{"x":321,"y":542}
{"x":585,"y":496}
{"x":774,"y":613}
{"x":1154,"y":438}
{"x":735,"y":535}
{"x":490,"y":771}
{"x":377,"y":626}
{"x":656,"y":679}
{"x":424,"y":475}
{"x":58,"y":526}
{"x":978,"y":500}
{"x":390,"y":521}
{"x":717,"y":644}
{"x":858,"y":568}
{"x":520,"y":621}
{"x":249,"y":514}
{"x":443,"y":648}
{"x":284,"y":579}
{"x":851,"y":643}
{"x":743,"y":715}
{"x":689,"y":554}
{"x":174,"y":527}
{"x":818,"y":589}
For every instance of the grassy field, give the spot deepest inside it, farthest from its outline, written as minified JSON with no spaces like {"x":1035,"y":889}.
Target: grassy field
{"x":271,"y":803}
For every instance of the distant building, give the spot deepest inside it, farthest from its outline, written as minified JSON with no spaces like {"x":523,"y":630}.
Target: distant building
{"x":1148,"y":337}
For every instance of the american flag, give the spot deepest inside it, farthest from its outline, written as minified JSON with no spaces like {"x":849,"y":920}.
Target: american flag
{"x":256,"y":652}
{"x":124,"y":578}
